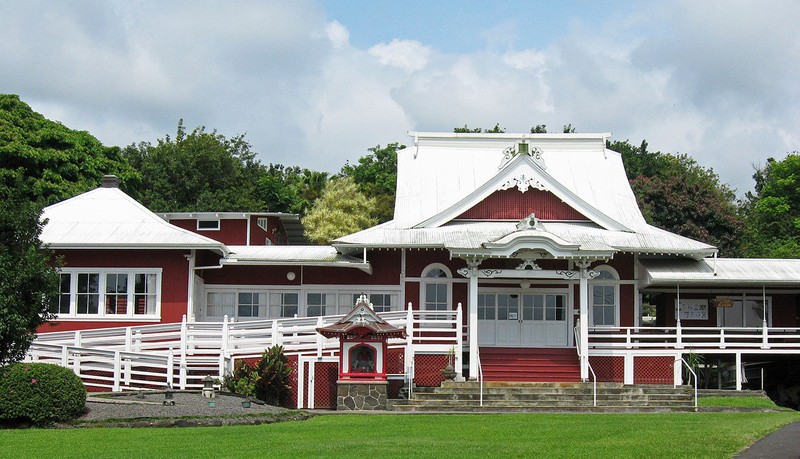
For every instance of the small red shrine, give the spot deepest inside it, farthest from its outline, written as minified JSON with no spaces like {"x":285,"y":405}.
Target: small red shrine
{"x":362,"y":355}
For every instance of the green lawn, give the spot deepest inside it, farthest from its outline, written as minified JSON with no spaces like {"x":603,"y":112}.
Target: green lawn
{"x":740,"y":402}
{"x":376,"y":436}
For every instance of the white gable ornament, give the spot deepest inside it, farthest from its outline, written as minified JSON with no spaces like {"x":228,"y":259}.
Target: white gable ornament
{"x":523,"y":182}
{"x":522,"y":148}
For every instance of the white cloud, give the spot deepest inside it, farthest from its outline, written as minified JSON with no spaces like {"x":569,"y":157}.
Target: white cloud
{"x":408,"y":55}
{"x":714,"y":80}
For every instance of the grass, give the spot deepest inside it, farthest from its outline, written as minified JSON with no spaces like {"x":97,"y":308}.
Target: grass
{"x":670,"y":435}
{"x":740,"y":402}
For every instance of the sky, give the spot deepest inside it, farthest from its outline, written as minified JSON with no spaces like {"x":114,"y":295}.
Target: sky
{"x":316,"y":83}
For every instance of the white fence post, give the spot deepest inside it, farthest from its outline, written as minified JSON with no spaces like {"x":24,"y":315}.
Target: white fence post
{"x":276,"y":338}
{"x":117,"y":371}
{"x":170,"y":368}
{"x":764,"y":334}
{"x":320,"y":338}
{"x":409,"y":354}
{"x":459,"y":341}
{"x":225,"y":336}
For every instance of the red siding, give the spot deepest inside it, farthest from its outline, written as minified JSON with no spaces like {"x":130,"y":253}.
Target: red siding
{"x":515,"y":205}
{"x":174,"y":280}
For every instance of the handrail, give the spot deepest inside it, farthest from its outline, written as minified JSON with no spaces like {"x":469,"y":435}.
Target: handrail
{"x":576,"y":334}
{"x":480,"y":374}
{"x":698,"y":339}
{"x":695,"y":381}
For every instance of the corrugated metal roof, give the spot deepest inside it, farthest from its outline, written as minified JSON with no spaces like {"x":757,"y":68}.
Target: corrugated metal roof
{"x":310,"y":255}
{"x":109,"y":218}
{"x":441,"y":169}
{"x":738,"y":271}
{"x":461,"y":235}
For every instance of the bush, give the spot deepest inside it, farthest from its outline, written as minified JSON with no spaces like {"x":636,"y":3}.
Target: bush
{"x":41,"y":393}
{"x":270,"y":376}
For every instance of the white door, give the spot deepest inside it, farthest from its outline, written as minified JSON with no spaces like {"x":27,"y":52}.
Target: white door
{"x":527,"y":320}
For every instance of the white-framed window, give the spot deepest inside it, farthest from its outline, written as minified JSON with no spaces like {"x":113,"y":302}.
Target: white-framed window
{"x":436,"y":288}
{"x":284,"y":304}
{"x":320,"y":304}
{"x":208,"y":225}
{"x":265,"y":302}
{"x":108,"y":293}
{"x":252,"y":305}
{"x":604,"y":297}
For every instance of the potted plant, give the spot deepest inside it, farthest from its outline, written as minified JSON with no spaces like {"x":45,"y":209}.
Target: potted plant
{"x":449,"y":372}
{"x":246,"y":386}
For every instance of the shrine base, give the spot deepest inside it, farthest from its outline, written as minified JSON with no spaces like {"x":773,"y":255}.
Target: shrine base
{"x":361,"y":396}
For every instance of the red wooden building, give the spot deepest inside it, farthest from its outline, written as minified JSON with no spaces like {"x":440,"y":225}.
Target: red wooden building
{"x":537,"y":237}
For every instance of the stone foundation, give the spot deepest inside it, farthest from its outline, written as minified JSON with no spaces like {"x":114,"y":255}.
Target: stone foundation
{"x":361,"y":395}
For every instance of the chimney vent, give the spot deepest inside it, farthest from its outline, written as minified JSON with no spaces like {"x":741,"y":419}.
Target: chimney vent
{"x":110,"y":181}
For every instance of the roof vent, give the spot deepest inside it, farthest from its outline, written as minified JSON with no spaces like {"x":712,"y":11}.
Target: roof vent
{"x":110,"y":181}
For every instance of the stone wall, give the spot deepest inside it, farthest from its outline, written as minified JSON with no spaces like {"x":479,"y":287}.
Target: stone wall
{"x":360,"y":396}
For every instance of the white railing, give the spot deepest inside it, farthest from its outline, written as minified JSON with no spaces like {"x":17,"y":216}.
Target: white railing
{"x":696,"y":339}
{"x":480,"y":374}
{"x":184,"y":353}
{"x":694,"y":375}
{"x":576,"y":333}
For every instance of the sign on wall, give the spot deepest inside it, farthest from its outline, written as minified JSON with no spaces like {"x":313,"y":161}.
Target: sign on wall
{"x":692,"y":309}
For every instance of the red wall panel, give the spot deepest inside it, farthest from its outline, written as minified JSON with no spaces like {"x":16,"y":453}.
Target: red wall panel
{"x":174,"y":280}
{"x":514,"y":205}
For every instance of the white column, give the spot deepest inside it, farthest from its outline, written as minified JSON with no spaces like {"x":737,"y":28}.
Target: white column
{"x":190,"y":290}
{"x":584,"y":323}
{"x":473,"y":320}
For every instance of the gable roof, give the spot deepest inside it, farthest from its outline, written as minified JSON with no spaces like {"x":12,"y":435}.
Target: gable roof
{"x":109,"y":218}
{"x":442,"y":171}
{"x":445,"y":174}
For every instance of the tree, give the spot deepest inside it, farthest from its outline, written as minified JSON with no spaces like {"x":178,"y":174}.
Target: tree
{"x":467,"y":130}
{"x":28,"y":280}
{"x":341,"y":210}
{"x":376,"y":176}
{"x":772,"y":227}
{"x":539,"y":129}
{"x":678,"y":195}
{"x":56,"y":162}
{"x":196,"y":171}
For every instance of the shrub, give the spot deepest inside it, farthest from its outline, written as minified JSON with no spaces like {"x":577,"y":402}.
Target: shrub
{"x":269,"y":377}
{"x":41,"y":393}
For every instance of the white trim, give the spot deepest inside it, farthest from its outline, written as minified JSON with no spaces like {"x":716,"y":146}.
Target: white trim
{"x":101,"y":293}
{"x":339,"y":306}
{"x":208,"y":220}
{"x":527,"y":166}
{"x":598,"y":282}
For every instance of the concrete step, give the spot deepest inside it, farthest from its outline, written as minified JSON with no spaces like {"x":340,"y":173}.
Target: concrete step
{"x":452,"y":395}
{"x":406,"y":407}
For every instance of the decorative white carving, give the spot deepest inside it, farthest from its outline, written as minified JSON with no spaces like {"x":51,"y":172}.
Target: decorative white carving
{"x":592,"y":273}
{"x":522,"y":148}
{"x":567,"y":274}
{"x":490,"y":272}
{"x":464,"y":272}
{"x":523,"y":182}
{"x":529,"y":222}
{"x":529,"y":263}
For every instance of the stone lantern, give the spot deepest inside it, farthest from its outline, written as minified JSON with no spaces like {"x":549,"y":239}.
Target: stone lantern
{"x":362,"y":383}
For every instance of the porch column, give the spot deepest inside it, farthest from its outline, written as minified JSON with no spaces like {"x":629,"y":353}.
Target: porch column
{"x":473,"y":319}
{"x":584,"y":323}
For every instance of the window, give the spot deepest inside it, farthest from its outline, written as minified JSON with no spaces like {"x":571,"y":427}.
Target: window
{"x":435,"y":289}
{"x":252,"y":304}
{"x":319,"y":304}
{"x":604,"y":297}
{"x":145,"y":294}
{"x":381,"y":302}
{"x":122,"y":293}
{"x":208,"y":225}
{"x":61,"y":304}
{"x":88,"y":295}
{"x":283,"y":304}
{"x":486,"y":306}
{"x":116,"y":293}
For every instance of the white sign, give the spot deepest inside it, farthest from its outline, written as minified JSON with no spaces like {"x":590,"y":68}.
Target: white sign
{"x":692,"y":309}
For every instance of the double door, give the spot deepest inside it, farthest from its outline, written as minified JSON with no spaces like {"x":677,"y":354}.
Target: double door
{"x":525,"y":320}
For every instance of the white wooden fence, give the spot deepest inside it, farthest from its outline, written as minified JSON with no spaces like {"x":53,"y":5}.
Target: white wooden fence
{"x":180,"y":355}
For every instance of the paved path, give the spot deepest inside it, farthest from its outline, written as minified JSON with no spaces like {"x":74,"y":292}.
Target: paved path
{"x":783,"y":444}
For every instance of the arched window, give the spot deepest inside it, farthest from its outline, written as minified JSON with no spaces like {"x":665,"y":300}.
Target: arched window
{"x":605,"y":297}
{"x":435,"y":288}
